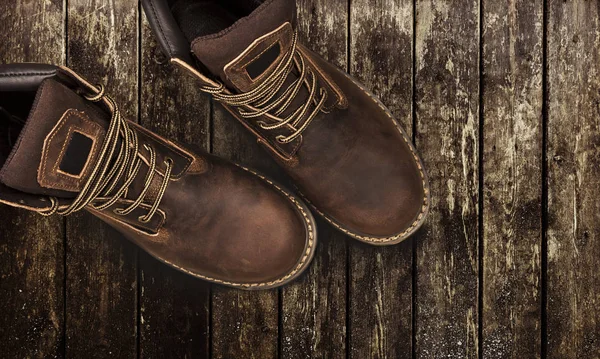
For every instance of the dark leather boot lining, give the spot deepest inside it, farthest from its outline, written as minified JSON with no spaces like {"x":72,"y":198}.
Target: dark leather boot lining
{"x":6,"y":135}
{"x":10,"y":128}
{"x":205,"y":17}
{"x":53,"y":100}
{"x":17,"y":104}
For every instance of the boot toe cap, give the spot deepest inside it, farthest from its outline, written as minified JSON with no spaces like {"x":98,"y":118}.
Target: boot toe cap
{"x":255,"y":234}
{"x":384,"y":209}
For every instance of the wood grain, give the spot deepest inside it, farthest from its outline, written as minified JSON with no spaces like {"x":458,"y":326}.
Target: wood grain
{"x":31,"y":246}
{"x":245,"y":324}
{"x":512,"y":178}
{"x":381,"y":277}
{"x":174,"y":307}
{"x":314,"y":307}
{"x":101,"y":264}
{"x":447,"y":136}
{"x":573,"y":160}
{"x":355,"y":301}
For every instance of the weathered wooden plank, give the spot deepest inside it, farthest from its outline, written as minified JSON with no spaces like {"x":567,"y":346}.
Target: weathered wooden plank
{"x":447,"y":99}
{"x":174,"y":313}
{"x":381,"y":290}
{"x":32,"y":320}
{"x":32,"y":247}
{"x":512,"y":182}
{"x":314,"y":307}
{"x":101,"y":305}
{"x":174,"y":306}
{"x":573,"y":163}
{"x":245,"y":324}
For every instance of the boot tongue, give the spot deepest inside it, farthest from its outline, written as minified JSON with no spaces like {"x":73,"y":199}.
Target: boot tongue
{"x":248,"y":51}
{"x":58,"y":145}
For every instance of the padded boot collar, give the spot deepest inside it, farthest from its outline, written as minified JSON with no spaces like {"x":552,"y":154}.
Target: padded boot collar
{"x":170,"y":38}
{"x":27,"y":77}
{"x":24,"y":77}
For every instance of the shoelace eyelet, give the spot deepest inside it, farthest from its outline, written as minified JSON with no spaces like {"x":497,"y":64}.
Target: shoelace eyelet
{"x":98,"y":96}
{"x":275,"y":95}
{"x":104,"y":178}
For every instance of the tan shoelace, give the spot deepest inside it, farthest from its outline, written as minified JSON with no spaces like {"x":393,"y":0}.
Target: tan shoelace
{"x":107,"y":173}
{"x":262,"y":102}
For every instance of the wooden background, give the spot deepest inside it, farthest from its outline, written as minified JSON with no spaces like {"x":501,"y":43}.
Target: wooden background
{"x":503,"y":102}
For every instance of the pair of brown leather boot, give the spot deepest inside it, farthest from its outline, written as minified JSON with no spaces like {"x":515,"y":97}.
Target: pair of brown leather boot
{"x":64,"y":147}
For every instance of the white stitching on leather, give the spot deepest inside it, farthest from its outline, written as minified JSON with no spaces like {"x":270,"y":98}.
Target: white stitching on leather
{"x":404,"y":233}
{"x":301,"y":264}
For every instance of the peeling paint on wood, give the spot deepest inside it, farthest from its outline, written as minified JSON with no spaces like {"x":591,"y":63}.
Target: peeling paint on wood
{"x":573,"y":157}
{"x":512,"y":183}
{"x":381,"y":277}
{"x":447,"y":97}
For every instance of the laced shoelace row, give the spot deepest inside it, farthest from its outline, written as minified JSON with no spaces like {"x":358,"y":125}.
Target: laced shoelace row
{"x":111,"y":177}
{"x":263,"y":100}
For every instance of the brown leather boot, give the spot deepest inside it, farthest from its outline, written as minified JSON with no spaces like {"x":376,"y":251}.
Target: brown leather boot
{"x":64,"y":148}
{"x":346,"y":153}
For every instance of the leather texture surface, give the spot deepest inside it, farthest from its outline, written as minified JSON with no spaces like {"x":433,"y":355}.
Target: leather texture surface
{"x":215,"y":220}
{"x":354,"y":163}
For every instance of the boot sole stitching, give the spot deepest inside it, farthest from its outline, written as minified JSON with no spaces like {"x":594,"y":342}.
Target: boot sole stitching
{"x":301,"y":265}
{"x":404,"y":234}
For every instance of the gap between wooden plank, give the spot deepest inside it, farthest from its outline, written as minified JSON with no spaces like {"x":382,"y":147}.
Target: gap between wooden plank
{"x":480,"y":189}
{"x":64,"y":329}
{"x":414,"y":140}
{"x":544,"y":180}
